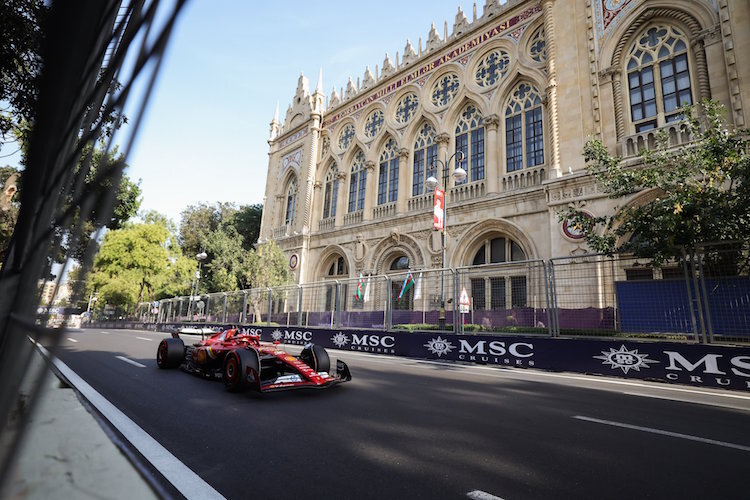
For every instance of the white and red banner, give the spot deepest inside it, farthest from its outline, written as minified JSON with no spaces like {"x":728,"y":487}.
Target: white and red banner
{"x":438,"y":217}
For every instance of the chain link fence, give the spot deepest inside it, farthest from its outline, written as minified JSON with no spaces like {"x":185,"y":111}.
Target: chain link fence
{"x":702,"y":297}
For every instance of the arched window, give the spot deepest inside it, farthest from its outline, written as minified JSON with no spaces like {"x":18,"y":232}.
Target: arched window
{"x":425,"y":154}
{"x":291,"y":202}
{"x":505,"y":291}
{"x":336,"y":269}
{"x":407,"y":300}
{"x":524,"y":129}
{"x":388,"y":175}
{"x":331,"y":193}
{"x":659,"y":54}
{"x":357,"y":183}
{"x":470,"y":141}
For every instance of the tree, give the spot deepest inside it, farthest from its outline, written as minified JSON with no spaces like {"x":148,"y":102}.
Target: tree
{"x":701,"y":192}
{"x":247,"y":222}
{"x":138,"y":263}
{"x":268,"y":268}
{"x":228,"y":262}
{"x":21,"y":23}
{"x":9,"y":205}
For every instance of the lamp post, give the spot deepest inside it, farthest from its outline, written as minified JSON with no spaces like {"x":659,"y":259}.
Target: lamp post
{"x":459,"y":175}
{"x":194,"y":286}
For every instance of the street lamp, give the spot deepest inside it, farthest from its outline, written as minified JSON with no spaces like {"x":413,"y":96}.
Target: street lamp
{"x":194,"y":285}
{"x":459,"y":175}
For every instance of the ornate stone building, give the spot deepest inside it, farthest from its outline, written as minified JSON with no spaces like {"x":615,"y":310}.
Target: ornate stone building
{"x":517,"y":89}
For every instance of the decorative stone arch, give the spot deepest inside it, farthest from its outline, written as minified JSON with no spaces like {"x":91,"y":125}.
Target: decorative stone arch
{"x":324,"y":166}
{"x":505,"y":91}
{"x":692,"y":17}
{"x":471,"y":69}
{"x":525,"y":40}
{"x":464,"y":98}
{"x":426,"y":93}
{"x":324,"y":261}
{"x":380,"y":141}
{"x":467,"y":245}
{"x":361,"y":121}
{"x":392,"y":246}
{"x":335,"y":135}
{"x":390,"y":113}
{"x":410,"y":133}
{"x":636,"y":200}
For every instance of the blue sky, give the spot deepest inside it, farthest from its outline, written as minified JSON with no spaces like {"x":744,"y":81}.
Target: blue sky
{"x":204,"y":134}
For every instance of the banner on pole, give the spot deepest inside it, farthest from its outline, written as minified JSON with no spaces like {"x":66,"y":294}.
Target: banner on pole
{"x":438,"y":217}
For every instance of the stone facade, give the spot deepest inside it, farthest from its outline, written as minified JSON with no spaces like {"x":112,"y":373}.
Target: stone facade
{"x":518,"y":89}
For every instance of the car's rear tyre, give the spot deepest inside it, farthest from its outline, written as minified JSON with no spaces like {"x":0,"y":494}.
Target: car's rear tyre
{"x":316,"y":357}
{"x":170,"y":353}
{"x":241,"y":370}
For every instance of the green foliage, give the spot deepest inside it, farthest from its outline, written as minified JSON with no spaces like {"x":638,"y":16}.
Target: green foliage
{"x":8,"y":209}
{"x":247,"y":223}
{"x":700,"y":192}
{"x":229,"y":263}
{"x":268,"y":268}
{"x":138,"y":263}
{"x":21,"y":25}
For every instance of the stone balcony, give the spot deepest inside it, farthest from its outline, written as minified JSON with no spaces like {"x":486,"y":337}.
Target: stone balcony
{"x":384,"y":211}
{"x":281,"y":231}
{"x":632,"y":145}
{"x":326,"y":224}
{"x":353,"y":218}
{"x":521,"y":179}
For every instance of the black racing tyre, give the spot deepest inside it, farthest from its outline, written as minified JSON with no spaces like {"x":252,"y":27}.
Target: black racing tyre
{"x":241,"y":370}
{"x":170,"y":353}
{"x":316,"y":357}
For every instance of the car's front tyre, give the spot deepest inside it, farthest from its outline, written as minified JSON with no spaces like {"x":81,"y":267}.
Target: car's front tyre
{"x":170,"y":353}
{"x":241,"y":370}
{"x":316,"y":357}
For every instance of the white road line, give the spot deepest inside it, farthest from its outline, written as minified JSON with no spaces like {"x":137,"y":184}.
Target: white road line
{"x":182,"y":478}
{"x":134,"y":363}
{"x":72,"y":340}
{"x":481,"y":495}
{"x":144,"y":338}
{"x":107,"y":333}
{"x":665,"y":433}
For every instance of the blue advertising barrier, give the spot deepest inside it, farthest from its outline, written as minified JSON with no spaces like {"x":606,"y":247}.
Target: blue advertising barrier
{"x":704,"y":365}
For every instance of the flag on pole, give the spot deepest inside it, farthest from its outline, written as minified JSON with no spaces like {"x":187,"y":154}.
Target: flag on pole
{"x":367,"y":290}
{"x":418,"y":288}
{"x":360,"y":289}
{"x":408,"y":283}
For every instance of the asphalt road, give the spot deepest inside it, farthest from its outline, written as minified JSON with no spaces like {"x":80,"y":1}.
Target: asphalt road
{"x":418,"y":429}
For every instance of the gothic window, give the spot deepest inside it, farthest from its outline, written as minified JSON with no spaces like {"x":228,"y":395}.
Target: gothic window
{"x":357,"y":183}
{"x":291,"y":202}
{"x":406,"y":107}
{"x":325,"y":146}
{"x":346,"y":137}
{"x":524,"y":130}
{"x":658,"y":77}
{"x":336,"y":269}
{"x":388,"y":175}
{"x":537,"y":47}
{"x":373,"y":123}
{"x":470,"y":141}
{"x":501,"y":288}
{"x":407,"y":300}
{"x":331,"y":192}
{"x":425,"y":154}
{"x":492,"y":68}
{"x":445,"y":90}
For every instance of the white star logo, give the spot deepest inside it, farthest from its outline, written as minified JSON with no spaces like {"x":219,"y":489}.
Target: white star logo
{"x":277,"y":335}
{"x":439,"y":346}
{"x":340,"y":339}
{"x":624,"y":359}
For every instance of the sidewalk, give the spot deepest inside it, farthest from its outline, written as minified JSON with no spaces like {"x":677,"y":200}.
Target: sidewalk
{"x":66,"y":454}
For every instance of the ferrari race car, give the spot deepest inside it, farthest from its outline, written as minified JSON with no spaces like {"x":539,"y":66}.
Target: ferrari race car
{"x":243,"y":362}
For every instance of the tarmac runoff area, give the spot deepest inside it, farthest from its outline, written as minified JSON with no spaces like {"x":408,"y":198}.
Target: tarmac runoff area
{"x":65,"y":453}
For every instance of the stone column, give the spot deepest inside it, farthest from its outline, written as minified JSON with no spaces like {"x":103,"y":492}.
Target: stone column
{"x":491,"y":163}
{"x":317,"y":206}
{"x":341,"y":198}
{"x":554,"y":128}
{"x":442,"y":142}
{"x":403,"y":180}
{"x":307,"y":176}
{"x":370,"y":194}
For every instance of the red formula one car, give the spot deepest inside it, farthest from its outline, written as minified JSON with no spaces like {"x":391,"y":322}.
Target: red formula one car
{"x":243,"y":362}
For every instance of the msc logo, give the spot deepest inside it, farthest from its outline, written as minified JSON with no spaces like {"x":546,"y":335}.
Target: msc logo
{"x":291,"y":336}
{"x":624,"y":359}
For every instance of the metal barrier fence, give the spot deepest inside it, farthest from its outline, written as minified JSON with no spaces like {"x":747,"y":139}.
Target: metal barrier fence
{"x":703,"y":297}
